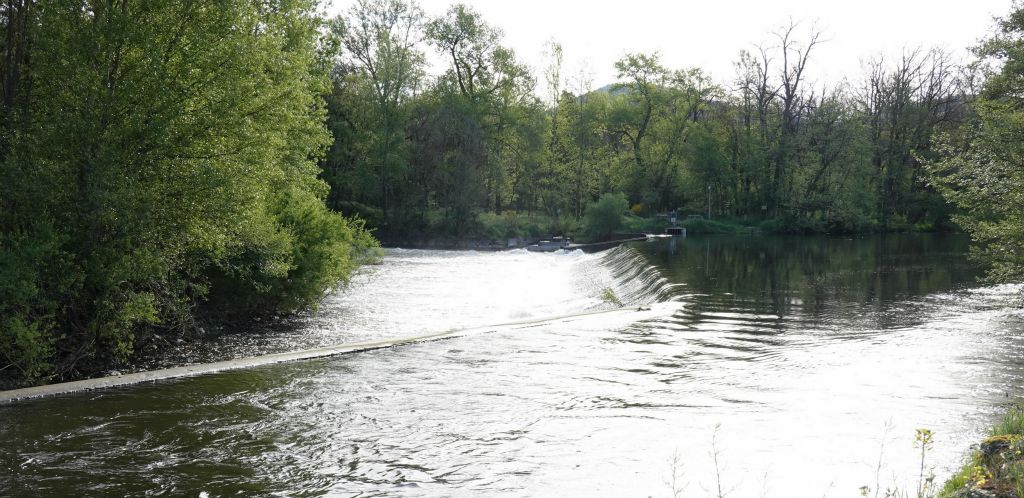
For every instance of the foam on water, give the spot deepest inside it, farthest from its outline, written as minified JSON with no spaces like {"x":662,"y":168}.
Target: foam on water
{"x":805,"y":364}
{"x":421,"y":294}
{"x":417,"y":290}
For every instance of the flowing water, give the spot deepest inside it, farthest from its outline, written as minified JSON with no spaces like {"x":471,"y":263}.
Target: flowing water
{"x":785,"y":367}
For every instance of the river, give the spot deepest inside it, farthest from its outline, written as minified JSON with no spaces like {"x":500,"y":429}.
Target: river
{"x":780,"y":367}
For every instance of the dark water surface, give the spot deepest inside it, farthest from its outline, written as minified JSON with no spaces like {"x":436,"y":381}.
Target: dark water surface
{"x":803,"y":364}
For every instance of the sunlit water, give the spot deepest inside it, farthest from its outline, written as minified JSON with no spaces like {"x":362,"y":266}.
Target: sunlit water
{"x":803,"y":364}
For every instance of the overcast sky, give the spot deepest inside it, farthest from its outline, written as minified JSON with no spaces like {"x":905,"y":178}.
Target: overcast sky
{"x":710,"y":33}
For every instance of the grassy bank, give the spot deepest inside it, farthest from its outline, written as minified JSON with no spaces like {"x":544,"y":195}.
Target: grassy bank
{"x":995,"y":468}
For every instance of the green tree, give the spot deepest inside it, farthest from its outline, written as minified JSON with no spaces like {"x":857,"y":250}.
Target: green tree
{"x":491,"y":112}
{"x":579,"y":155}
{"x":603,"y":217}
{"x":655,"y":115}
{"x":981,"y":167}
{"x":379,"y":69}
{"x":904,"y":104}
{"x":167,"y":155}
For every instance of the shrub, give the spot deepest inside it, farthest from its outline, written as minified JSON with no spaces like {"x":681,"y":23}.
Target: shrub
{"x":372,"y":216}
{"x":35,"y":274}
{"x":604,"y":217}
{"x":704,"y":226}
{"x":638,"y":224}
{"x":311,"y":250}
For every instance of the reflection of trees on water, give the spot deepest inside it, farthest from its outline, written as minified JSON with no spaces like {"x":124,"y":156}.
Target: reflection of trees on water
{"x":823,"y":280}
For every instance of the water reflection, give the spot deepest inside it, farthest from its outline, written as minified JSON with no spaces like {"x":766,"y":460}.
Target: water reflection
{"x":817,"y":358}
{"x":819,"y":279}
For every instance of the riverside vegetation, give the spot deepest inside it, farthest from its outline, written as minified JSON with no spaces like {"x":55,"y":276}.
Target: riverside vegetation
{"x":158,"y":165}
{"x":996,"y":467}
{"x":980,"y":170}
{"x":163,"y":164}
{"x":478,"y":151}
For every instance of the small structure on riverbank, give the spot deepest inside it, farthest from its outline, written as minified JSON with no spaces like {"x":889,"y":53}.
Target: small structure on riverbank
{"x":555,"y":244}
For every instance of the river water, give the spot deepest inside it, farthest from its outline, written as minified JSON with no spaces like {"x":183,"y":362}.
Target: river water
{"x":781,"y":367}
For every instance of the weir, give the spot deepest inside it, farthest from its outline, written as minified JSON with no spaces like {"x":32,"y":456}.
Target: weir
{"x":780,"y":342}
{"x":637,"y":280}
{"x":634,"y":281}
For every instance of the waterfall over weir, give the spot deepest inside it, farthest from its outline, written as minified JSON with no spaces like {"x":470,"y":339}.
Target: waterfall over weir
{"x":416,"y":296}
{"x":419,"y":291}
{"x":635,"y":280}
{"x":794,"y":360}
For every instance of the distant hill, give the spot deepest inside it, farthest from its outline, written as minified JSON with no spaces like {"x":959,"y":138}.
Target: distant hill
{"x":612,"y":89}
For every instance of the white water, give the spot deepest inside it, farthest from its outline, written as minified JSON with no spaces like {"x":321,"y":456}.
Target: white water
{"x":808,"y":400}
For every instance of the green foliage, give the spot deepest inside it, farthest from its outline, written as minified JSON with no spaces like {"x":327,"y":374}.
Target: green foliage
{"x":372,"y":216}
{"x":512,"y":224}
{"x":997,"y":465}
{"x":704,"y":226}
{"x":26,"y":346}
{"x":165,"y":155}
{"x":379,"y":68}
{"x":312,"y":251}
{"x":765,"y":146}
{"x":327,"y":248}
{"x":34,"y":274}
{"x":958,"y":481}
{"x":608,"y":296}
{"x":604,"y":216}
{"x":1011,"y":423}
{"x":638,"y":224}
{"x":978,"y":167}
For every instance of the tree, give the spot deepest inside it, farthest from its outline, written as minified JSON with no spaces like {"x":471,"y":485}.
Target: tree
{"x":795,"y":56}
{"x":166,"y":160}
{"x":494,"y":90}
{"x":905,"y":103}
{"x":644,"y":78}
{"x":751,"y":131}
{"x":604,"y":216}
{"x":379,"y":70}
{"x":980,"y":169}
{"x":655,"y":116}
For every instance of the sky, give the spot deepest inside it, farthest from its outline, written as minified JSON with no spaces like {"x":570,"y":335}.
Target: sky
{"x":710,"y":33}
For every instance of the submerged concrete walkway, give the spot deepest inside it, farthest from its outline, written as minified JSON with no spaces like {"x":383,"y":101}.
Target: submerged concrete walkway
{"x":207,"y":368}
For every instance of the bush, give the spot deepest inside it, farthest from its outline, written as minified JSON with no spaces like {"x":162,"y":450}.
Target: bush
{"x":35,"y":274}
{"x":605,"y":216}
{"x":704,"y":226}
{"x":510,"y":224}
{"x":565,"y":225}
{"x":325,"y":248}
{"x":311,"y":250}
{"x":115,"y":224}
{"x":638,"y":224}
{"x":372,"y":216}
{"x":496,"y":226}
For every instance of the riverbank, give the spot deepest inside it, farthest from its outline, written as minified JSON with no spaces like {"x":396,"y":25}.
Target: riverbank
{"x":995,"y":466}
{"x":491,"y":232}
{"x":268,"y":332}
{"x":460,"y":244}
